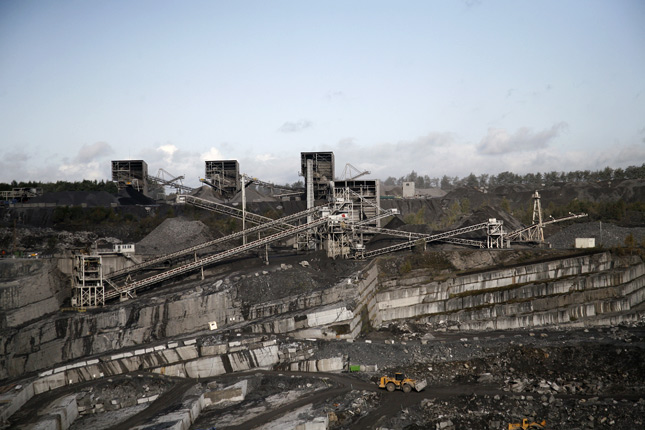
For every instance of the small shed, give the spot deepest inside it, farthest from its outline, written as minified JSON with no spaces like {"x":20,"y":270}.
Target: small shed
{"x":585,"y":242}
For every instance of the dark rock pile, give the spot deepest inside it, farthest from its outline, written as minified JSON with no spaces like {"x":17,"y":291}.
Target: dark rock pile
{"x":172,"y":235}
{"x":605,"y":234}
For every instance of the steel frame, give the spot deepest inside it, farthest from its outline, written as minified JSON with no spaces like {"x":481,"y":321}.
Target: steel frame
{"x":87,"y":282}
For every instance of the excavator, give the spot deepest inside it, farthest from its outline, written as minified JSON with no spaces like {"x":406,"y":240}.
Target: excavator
{"x":525,"y":424}
{"x":401,"y":382}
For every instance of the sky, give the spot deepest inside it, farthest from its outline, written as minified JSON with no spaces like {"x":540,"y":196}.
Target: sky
{"x":438,"y":87}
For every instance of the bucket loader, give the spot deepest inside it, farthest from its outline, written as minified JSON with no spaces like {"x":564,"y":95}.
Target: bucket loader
{"x":525,"y":424}
{"x":401,"y":382}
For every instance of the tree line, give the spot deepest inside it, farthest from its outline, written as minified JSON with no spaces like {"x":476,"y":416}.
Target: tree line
{"x":50,"y":187}
{"x":540,"y":179}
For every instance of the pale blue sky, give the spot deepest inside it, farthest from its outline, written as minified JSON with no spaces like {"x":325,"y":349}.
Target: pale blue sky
{"x":441,"y":87}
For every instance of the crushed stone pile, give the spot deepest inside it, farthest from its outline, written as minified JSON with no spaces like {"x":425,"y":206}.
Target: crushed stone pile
{"x":77,"y":198}
{"x":606,"y":235}
{"x":255,"y":194}
{"x":130,"y":196}
{"x":172,"y":235}
{"x":206,"y":192}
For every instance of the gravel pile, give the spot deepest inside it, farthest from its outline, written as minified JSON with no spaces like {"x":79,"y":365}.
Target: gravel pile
{"x":255,"y":194}
{"x":172,"y":235}
{"x":130,"y":196}
{"x":206,"y":192}
{"x":607,"y":235}
{"x":77,"y":198}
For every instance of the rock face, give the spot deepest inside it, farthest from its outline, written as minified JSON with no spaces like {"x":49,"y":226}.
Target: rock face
{"x":29,"y":289}
{"x":596,"y":289}
{"x":592,"y":289}
{"x":70,"y":335}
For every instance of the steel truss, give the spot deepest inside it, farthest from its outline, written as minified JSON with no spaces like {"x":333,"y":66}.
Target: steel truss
{"x":87,"y":282}
{"x":129,"y":288}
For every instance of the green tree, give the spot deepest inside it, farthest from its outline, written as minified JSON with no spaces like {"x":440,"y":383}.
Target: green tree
{"x":505,"y":205}
{"x":446,"y":183}
{"x":465,"y":205}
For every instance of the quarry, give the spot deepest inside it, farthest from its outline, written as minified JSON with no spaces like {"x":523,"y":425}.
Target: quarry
{"x":242,"y":304}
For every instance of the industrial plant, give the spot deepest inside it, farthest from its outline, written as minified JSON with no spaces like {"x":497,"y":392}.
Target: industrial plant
{"x":335,"y":305}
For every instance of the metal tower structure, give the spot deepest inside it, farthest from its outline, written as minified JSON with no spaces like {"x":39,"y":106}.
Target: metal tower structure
{"x":87,"y":282}
{"x":130,"y":173}
{"x":535,"y":232}
{"x":537,"y":218}
{"x":322,"y":164}
{"x":223,"y":176}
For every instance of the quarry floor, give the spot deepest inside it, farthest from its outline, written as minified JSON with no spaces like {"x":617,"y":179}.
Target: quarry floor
{"x":572,"y":378}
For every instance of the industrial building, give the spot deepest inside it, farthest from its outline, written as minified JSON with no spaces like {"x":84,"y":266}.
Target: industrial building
{"x":318,"y":171}
{"x":131,"y":173}
{"x":223,"y":176}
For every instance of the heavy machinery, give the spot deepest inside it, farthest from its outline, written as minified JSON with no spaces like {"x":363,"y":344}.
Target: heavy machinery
{"x":400,"y":382}
{"x":525,"y":424}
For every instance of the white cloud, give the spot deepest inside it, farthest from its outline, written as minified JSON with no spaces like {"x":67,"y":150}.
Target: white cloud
{"x":500,"y":141}
{"x":297,"y":126}
{"x":263,"y":158}
{"x":93,"y":151}
{"x":91,"y":162}
{"x":279,"y":168}
{"x":212,"y":154}
{"x":399,"y":158}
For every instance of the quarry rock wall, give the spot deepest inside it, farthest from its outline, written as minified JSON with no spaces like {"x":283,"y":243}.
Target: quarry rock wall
{"x":29,"y":289}
{"x":592,"y":289}
{"x":71,"y":335}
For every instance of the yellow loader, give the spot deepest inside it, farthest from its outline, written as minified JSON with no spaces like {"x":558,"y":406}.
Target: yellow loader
{"x":525,"y":424}
{"x":400,"y":382}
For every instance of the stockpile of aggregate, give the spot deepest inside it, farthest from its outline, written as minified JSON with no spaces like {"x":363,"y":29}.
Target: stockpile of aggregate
{"x":77,"y":198}
{"x":130,"y":196}
{"x":606,"y":235}
{"x":473,"y":196}
{"x":255,"y":194}
{"x":172,"y":235}
{"x":206,"y":192}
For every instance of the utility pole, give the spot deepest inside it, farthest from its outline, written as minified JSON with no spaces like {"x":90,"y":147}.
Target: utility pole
{"x":13,"y":246}
{"x":243,"y":208}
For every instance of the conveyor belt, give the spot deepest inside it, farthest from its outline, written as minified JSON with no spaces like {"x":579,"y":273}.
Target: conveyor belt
{"x":128,"y":288}
{"x":426,"y":239}
{"x":234,"y":212}
{"x":159,"y":260}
